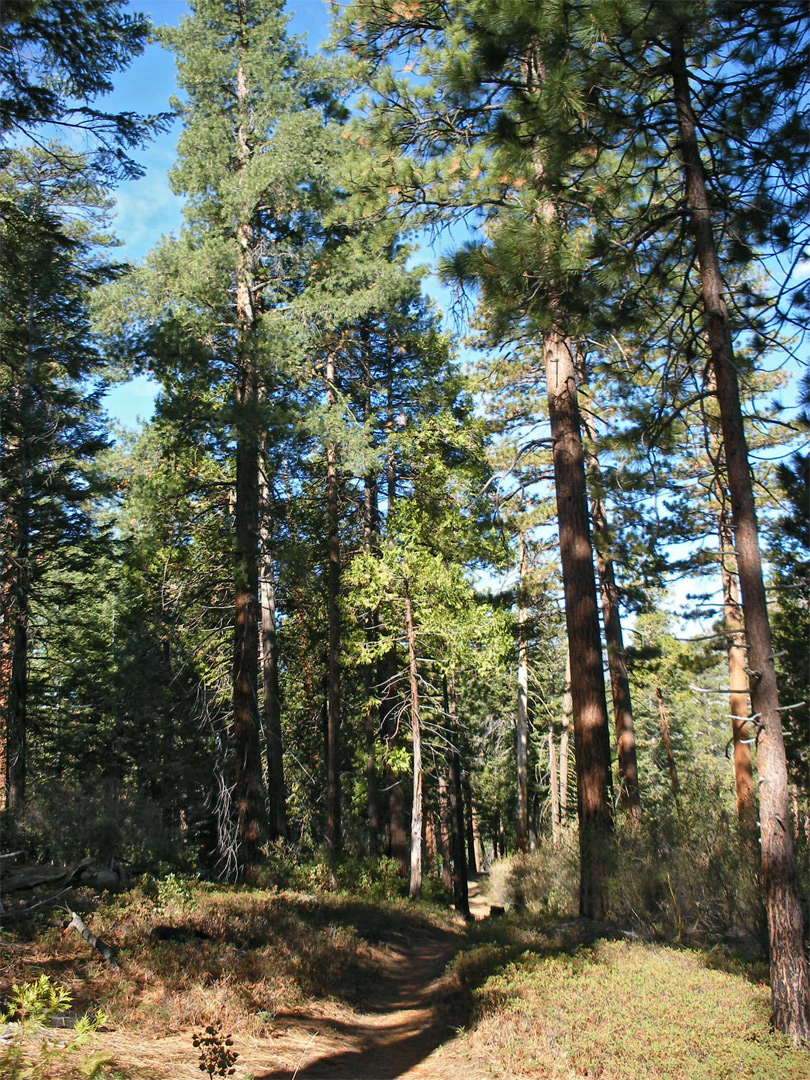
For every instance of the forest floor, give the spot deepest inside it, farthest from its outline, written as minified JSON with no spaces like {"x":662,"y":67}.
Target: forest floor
{"x":326,"y":987}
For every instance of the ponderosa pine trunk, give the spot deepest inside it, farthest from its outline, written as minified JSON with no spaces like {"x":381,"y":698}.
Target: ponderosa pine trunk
{"x":276,"y":791}
{"x":629,"y":795}
{"x":522,"y":725}
{"x":398,"y":846}
{"x":415,"y":888}
{"x":333,"y":824}
{"x":790,"y":985}
{"x":738,"y":684}
{"x":554,"y":786}
{"x":472,"y":832}
{"x":565,"y":740}
{"x":14,"y":644}
{"x":249,"y":788}
{"x":591,"y":724}
{"x":445,"y":832}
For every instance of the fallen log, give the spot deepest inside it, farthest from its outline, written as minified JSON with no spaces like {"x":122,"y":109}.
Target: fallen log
{"x":106,"y":951}
{"x":21,"y":884}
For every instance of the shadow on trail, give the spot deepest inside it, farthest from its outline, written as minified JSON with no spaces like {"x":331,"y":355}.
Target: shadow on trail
{"x":405,"y":1017}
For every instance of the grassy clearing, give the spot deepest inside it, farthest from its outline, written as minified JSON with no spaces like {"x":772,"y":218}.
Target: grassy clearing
{"x":548,"y":1006}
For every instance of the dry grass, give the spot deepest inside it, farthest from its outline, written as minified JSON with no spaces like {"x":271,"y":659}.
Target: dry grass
{"x":276,"y":969}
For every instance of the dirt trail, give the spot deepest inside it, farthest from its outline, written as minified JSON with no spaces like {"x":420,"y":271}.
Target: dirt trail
{"x":401,"y":1021}
{"x":399,"y":1027}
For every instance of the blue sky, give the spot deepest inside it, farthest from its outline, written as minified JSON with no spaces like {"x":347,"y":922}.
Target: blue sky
{"x":146,"y":209}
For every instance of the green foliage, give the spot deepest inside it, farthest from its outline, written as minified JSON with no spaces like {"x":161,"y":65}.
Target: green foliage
{"x":58,"y":57}
{"x":286,"y":867}
{"x":626,"y":1011}
{"x":684,"y":873}
{"x":35,"y":1050}
{"x":544,"y":883}
{"x":174,"y":892}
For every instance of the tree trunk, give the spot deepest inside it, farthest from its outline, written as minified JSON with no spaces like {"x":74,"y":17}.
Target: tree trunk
{"x":398,"y":845}
{"x":247,"y":750}
{"x":445,"y":832}
{"x":790,"y":986}
{"x":617,"y":666}
{"x":333,"y":824}
{"x":276,"y":792}
{"x":522,"y":728}
{"x":416,"y":730}
{"x":555,"y":787}
{"x":472,"y":833}
{"x":565,"y":740}
{"x":461,"y":898}
{"x":738,"y":682}
{"x":591,"y":725}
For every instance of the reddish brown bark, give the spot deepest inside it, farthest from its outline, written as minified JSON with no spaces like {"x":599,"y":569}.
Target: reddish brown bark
{"x":591,"y":724}
{"x":790,"y":985}
{"x":445,"y":832}
{"x":629,"y":795}
{"x":738,"y":683}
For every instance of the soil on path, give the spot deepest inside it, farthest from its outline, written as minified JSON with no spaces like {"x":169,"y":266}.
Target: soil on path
{"x":401,"y":1026}
{"x":402,"y":1019}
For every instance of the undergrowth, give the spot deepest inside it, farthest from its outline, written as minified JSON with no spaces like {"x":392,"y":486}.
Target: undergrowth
{"x":619,"y":1010}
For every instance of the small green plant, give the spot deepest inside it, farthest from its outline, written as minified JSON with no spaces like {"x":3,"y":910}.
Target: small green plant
{"x":173,"y":891}
{"x":216,"y":1056}
{"x":31,"y":1054}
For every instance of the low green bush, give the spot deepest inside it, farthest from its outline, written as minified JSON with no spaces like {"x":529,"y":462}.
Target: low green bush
{"x":34,"y":1049}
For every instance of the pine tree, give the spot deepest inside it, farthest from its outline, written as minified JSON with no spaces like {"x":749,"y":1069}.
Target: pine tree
{"x":57,"y":58}
{"x":252,"y":160}
{"x":50,"y":405}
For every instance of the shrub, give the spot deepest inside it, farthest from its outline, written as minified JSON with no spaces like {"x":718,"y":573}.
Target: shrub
{"x":30,"y":1053}
{"x":544,"y":882}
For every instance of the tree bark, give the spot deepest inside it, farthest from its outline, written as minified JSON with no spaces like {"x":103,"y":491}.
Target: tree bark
{"x":445,"y":832}
{"x":522,"y":726}
{"x":475,"y":845}
{"x":629,"y":795}
{"x":276,"y":792}
{"x":790,"y":985}
{"x":415,"y":888}
{"x":591,"y":725}
{"x":333,"y":826}
{"x":565,"y":740}
{"x":738,"y":682}
{"x":555,"y":787}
